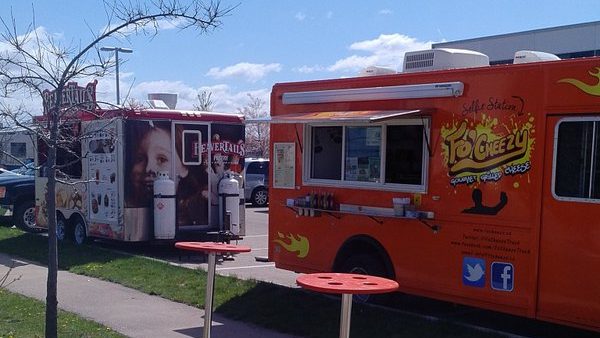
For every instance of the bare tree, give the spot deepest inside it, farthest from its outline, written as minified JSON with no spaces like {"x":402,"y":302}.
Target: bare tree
{"x":205,"y":102}
{"x":257,"y":133}
{"x":34,"y":62}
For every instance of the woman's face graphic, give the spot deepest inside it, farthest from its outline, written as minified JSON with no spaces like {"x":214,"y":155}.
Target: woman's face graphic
{"x":153,"y":155}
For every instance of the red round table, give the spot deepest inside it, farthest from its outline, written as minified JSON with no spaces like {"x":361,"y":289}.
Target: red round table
{"x":346,"y":284}
{"x":212,"y":249}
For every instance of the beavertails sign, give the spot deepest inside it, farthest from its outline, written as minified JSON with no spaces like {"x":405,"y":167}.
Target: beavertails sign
{"x":73,"y":96}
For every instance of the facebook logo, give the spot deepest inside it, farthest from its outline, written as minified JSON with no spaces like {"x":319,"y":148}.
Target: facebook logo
{"x":503,"y":276}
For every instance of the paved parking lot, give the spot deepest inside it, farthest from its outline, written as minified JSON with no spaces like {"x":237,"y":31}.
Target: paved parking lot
{"x":246,"y":265}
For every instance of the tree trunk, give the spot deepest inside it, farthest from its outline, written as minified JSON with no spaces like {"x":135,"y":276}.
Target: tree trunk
{"x":52,"y":281}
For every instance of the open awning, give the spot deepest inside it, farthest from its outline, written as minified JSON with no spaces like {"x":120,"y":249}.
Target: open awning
{"x":354,"y":116}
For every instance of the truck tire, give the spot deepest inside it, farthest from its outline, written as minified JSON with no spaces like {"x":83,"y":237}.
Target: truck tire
{"x":260,"y":197}
{"x":365,"y":264}
{"x":79,"y":232}
{"x":24,"y":217}
{"x":61,"y":228}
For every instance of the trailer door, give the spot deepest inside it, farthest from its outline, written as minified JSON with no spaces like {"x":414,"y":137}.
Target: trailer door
{"x":569,"y":276}
{"x":192,"y":176}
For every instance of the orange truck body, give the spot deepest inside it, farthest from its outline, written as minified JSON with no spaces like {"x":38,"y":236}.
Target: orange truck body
{"x":509,"y":217}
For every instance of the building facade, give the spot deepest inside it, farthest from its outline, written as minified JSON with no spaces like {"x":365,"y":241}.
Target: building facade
{"x":572,"y":41}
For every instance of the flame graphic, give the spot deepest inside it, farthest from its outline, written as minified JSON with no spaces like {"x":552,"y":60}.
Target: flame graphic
{"x":592,"y":90}
{"x":299,"y":243}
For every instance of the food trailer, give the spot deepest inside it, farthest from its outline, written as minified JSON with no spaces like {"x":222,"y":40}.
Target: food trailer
{"x":146,"y":174}
{"x":476,"y":185}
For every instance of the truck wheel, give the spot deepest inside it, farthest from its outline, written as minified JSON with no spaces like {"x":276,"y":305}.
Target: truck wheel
{"x":364,"y":264}
{"x":260,"y":197}
{"x":79,"y":232}
{"x":61,"y":228}
{"x":25,"y":217}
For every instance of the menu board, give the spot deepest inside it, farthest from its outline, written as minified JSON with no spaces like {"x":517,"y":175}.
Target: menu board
{"x":102,"y":174}
{"x":284,"y":165}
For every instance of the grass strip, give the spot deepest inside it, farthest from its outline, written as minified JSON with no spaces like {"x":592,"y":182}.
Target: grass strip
{"x":275,"y":307}
{"x":25,"y":317}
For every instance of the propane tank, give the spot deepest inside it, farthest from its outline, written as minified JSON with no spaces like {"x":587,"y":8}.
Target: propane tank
{"x":164,"y":207}
{"x":229,"y":204}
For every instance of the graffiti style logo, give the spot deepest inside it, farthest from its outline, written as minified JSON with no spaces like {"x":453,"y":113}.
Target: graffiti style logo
{"x":473,"y":152}
{"x":296,"y":244}
{"x":589,"y":89}
{"x":486,"y":151}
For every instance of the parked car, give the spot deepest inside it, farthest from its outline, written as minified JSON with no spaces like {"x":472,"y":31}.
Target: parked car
{"x":27,"y":169}
{"x":256,"y":178}
{"x":17,"y":201}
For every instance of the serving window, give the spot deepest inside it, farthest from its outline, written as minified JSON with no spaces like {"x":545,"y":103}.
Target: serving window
{"x":577,"y":160}
{"x":390,"y":155}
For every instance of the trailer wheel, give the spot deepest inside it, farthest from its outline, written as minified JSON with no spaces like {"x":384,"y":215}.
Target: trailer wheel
{"x":61,"y":228}
{"x":260,"y":197}
{"x":365,"y":264}
{"x":25,"y":217}
{"x":79,"y":232}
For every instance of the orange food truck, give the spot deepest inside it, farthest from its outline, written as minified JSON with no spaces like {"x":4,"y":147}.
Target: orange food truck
{"x":145,"y":174}
{"x":464,"y":182}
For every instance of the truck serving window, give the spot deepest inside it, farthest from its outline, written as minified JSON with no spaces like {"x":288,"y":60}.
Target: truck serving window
{"x":389,"y":155}
{"x":326,"y":153}
{"x":577,"y":161}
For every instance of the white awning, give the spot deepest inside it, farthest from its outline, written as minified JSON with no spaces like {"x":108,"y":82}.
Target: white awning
{"x":412,"y":91}
{"x":354,"y":116}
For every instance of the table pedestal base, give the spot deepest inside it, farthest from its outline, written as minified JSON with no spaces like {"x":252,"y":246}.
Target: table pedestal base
{"x":210,"y":286}
{"x":345,"y":315}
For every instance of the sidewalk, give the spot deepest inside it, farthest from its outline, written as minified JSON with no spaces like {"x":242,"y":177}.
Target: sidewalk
{"x":127,"y":311}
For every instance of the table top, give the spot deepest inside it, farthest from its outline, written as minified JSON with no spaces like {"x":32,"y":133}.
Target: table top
{"x":331,"y":282}
{"x":209,"y":247}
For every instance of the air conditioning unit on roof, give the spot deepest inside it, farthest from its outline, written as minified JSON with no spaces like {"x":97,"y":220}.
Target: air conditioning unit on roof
{"x":376,"y":70}
{"x":527,"y":56}
{"x":443,"y":58}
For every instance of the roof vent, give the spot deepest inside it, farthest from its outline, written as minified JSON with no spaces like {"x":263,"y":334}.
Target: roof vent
{"x":443,"y":58}
{"x":376,"y":70}
{"x":527,"y":56}
{"x":169,"y":100}
{"x":157,"y":104}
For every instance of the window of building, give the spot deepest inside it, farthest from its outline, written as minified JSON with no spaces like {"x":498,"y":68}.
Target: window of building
{"x":577,"y":159}
{"x":18,"y":149}
{"x":388,"y":155}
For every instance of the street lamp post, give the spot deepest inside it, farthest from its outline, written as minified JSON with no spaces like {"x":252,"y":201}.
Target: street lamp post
{"x":117,"y":50}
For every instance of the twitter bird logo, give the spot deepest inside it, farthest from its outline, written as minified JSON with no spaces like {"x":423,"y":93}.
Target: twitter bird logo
{"x":473,"y":272}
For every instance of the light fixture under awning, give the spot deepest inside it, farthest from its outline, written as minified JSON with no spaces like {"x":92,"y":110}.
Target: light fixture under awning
{"x":355,"y":116}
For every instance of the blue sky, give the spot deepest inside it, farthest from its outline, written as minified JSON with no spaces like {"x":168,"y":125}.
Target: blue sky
{"x":265,"y":42}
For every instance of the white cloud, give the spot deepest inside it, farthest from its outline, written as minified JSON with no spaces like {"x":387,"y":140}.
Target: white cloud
{"x":300,"y":16}
{"x":308,"y":69}
{"x":329,"y":15}
{"x":386,"y":50}
{"x":250,"y":71}
{"x":385,"y":11}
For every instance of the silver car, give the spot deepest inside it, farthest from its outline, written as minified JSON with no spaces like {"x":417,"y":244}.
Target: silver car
{"x":256,"y":178}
